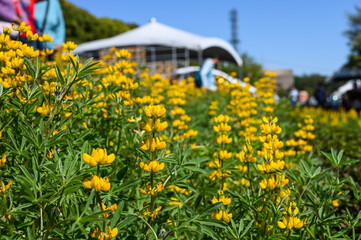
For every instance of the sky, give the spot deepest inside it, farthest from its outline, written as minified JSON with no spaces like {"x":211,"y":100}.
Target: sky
{"x":303,"y":35}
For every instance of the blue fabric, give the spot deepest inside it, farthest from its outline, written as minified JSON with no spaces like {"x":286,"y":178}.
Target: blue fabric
{"x":208,"y":80}
{"x":55,"y":25}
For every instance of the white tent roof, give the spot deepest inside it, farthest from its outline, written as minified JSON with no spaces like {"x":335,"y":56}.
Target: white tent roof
{"x":155,"y":33}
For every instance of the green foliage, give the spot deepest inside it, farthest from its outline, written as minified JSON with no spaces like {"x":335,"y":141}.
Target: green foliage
{"x":354,"y":37}
{"x":49,"y":200}
{"x":250,"y":68}
{"x":309,"y":82}
{"x":82,"y":26}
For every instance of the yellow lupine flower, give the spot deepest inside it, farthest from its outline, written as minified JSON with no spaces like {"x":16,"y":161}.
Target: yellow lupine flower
{"x":222,"y":215}
{"x":223,"y":139}
{"x":290,"y":222}
{"x":105,"y":236}
{"x":221,"y":119}
{"x":2,"y":161}
{"x":292,"y":209}
{"x":98,"y":183}
{"x":45,"y":38}
{"x":69,"y":46}
{"x":152,"y":144}
{"x":154,"y":124}
{"x":273,"y":182}
{"x":6,"y":30}
{"x":267,"y":167}
{"x":123,"y":53}
{"x":153,"y":214}
{"x":98,"y":156}
{"x":4,"y":187}
{"x":105,"y":208}
{"x":175,"y":202}
{"x":153,"y":166}
{"x":223,"y":155}
{"x":245,"y":182}
{"x":222,"y":127}
{"x":44,"y":109}
{"x":225,"y":200}
{"x":156,"y":111}
{"x":31,"y":37}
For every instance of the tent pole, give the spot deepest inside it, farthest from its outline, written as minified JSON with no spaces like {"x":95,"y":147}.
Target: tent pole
{"x":200,"y":56}
{"x":186,"y":52}
{"x":174,"y":58}
{"x":153,"y":59}
{"x":138,"y":54}
{"x":240,"y":73}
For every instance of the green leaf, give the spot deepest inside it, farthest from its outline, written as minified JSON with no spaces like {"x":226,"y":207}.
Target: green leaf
{"x":121,"y":173}
{"x":116,"y":215}
{"x":211,"y":208}
{"x":127,"y":185}
{"x":59,"y":75}
{"x":30,"y":233}
{"x":195,"y":169}
{"x":128,"y":220}
{"x":213,"y":223}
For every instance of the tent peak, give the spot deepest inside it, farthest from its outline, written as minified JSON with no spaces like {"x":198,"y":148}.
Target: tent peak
{"x":153,"y":20}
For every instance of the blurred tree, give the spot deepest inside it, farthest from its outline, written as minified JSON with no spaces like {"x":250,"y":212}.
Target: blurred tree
{"x":250,"y":68}
{"x":82,"y":26}
{"x":309,"y":82}
{"x":354,"y":36}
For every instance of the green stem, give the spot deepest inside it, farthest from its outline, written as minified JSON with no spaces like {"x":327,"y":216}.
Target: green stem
{"x":152,"y":186}
{"x":119,"y":138}
{"x":56,"y":108}
{"x":289,"y":234}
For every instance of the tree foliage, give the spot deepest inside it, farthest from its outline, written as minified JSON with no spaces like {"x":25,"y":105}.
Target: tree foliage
{"x":354,"y":36}
{"x":250,"y":68}
{"x":308,"y":82}
{"x":82,"y":26}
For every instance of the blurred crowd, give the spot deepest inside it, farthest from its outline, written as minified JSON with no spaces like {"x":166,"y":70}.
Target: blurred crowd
{"x":44,"y":17}
{"x":350,"y":99}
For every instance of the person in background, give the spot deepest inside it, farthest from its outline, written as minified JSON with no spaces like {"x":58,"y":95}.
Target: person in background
{"x":320,"y":95}
{"x":303,"y":98}
{"x":294,"y":96}
{"x":334,"y":100}
{"x":49,"y":19}
{"x":8,"y":15}
{"x":207,"y":78}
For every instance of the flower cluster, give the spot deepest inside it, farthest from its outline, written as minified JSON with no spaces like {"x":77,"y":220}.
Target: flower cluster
{"x":290,"y":220}
{"x":303,"y":135}
{"x":97,"y":158}
{"x":105,"y":236}
{"x":153,"y":126}
{"x":272,"y":156}
{"x":266,"y":87}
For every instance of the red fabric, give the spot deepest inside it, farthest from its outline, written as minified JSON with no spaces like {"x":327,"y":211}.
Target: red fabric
{"x":25,"y":10}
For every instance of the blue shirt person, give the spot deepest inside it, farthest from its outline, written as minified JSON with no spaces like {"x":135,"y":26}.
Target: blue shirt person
{"x":54,"y":24}
{"x":208,"y":79}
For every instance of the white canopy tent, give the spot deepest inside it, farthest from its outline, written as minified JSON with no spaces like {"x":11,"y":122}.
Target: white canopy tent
{"x":155,"y":34}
